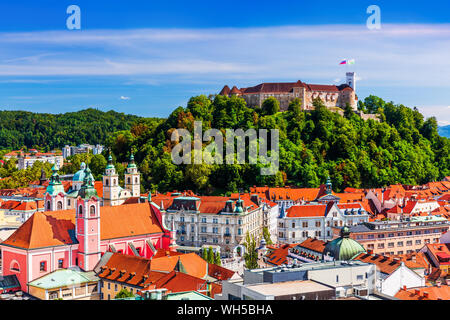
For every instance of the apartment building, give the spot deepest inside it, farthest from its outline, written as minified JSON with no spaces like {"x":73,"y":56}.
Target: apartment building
{"x":398,"y":237}
{"x":219,"y":221}
{"x":317,"y":219}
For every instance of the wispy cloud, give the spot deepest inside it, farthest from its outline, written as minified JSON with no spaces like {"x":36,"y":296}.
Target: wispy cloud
{"x":398,"y":56}
{"x":124,"y":98}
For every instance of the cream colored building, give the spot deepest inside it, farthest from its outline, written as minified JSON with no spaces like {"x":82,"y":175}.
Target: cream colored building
{"x":219,"y":221}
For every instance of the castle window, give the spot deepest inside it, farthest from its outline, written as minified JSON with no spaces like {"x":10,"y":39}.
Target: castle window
{"x":129,"y":180}
{"x":92,"y":210}
{"x":59,"y":205}
{"x":48,"y":205}
{"x":80,"y":210}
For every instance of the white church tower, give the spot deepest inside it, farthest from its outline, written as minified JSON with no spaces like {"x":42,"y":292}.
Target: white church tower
{"x":133,"y":178}
{"x":351,"y":80}
{"x":111,"y":188}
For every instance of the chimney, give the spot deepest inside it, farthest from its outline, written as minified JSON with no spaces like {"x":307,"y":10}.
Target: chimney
{"x":417,"y":292}
{"x":404,"y":288}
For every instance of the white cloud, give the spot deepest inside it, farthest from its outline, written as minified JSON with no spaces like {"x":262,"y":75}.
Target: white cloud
{"x":124,"y":98}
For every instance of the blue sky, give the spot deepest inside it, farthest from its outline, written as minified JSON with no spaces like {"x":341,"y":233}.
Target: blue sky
{"x":148,"y":57}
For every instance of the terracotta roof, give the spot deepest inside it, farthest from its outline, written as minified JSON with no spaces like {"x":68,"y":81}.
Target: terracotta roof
{"x":179,"y":282}
{"x":235,"y":90}
{"x":225,"y":91}
{"x":313,"y":244}
{"x":384,"y":263}
{"x":425,"y":293}
{"x":54,"y":228}
{"x":219,"y":272}
{"x":279,"y":255}
{"x":317,"y":210}
{"x":440,"y":252}
{"x":414,"y":260}
{"x":193,"y":264}
{"x":128,"y":269}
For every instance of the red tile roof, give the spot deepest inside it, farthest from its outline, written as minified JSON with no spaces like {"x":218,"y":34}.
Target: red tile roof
{"x":279,"y":255}
{"x":318,"y":210}
{"x":425,"y":293}
{"x":384,"y":263}
{"x":313,"y":244}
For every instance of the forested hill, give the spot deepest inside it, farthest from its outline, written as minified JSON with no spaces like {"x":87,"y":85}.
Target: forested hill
{"x":402,"y":148}
{"x":47,"y":131}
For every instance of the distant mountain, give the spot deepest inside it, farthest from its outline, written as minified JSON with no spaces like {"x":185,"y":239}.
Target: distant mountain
{"x":444,"y":131}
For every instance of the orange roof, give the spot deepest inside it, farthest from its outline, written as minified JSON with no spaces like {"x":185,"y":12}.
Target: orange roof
{"x":384,"y":263}
{"x":192,"y":263}
{"x":279,"y":255}
{"x":413,"y":260}
{"x":313,"y":244}
{"x":425,"y":293}
{"x":317,"y":210}
{"x":26,"y":206}
{"x":54,"y":228}
{"x":179,"y":282}
{"x":44,"y":229}
{"x":440,"y":252}
{"x":127,"y":269}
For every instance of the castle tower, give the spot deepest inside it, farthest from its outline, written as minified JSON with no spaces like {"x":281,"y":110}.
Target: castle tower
{"x":133,"y":178}
{"x":351,"y":80}
{"x":111,"y":188}
{"x":87,"y":226}
{"x":55,"y":197}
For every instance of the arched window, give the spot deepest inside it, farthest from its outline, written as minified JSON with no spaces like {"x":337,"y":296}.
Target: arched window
{"x":106,"y":182}
{"x":80,"y":210}
{"x":114,"y":182}
{"x":136,"y":180}
{"x":129,"y":180}
{"x":92,"y":210}
{"x":14,"y":266}
{"x":59,"y":205}
{"x":48,"y":205}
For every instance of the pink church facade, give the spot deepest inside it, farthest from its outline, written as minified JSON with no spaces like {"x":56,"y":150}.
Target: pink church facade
{"x":29,"y":264}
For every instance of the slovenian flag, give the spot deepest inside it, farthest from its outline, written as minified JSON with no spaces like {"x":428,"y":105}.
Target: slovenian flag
{"x":348,"y":61}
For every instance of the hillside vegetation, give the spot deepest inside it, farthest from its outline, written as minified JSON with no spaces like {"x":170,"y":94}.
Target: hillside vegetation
{"x":402,"y":148}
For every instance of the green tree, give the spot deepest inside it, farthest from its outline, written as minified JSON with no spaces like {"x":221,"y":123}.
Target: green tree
{"x":124,"y":293}
{"x":210,"y":256}
{"x":270,"y":106}
{"x":250,"y":255}
{"x":266,"y":235}
{"x":217,"y":259}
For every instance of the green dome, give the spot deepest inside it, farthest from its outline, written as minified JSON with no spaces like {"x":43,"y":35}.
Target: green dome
{"x":110,"y":163}
{"x":343,"y":248}
{"x":79,"y":175}
{"x":131,"y":163}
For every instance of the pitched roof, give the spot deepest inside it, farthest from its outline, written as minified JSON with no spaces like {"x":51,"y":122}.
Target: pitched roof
{"x":192,"y":263}
{"x":425,"y":293}
{"x":128,"y":269}
{"x":384,"y":263}
{"x":279,"y":255}
{"x":313,"y":244}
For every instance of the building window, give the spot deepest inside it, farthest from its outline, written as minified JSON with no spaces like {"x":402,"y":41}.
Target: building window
{"x":61,"y":263}
{"x":15,"y":266}
{"x":380,"y":246}
{"x":109,"y":286}
{"x":68,"y":202}
{"x":48,"y":205}
{"x":418,"y":242}
{"x":203,"y":220}
{"x":129,"y":180}
{"x":59,"y":205}
{"x":43,"y":266}
{"x":293,"y":224}
{"x":390,"y":245}
{"x":106,"y":182}
{"x":409,"y":243}
{"x":305,"y":224}
{"x":115,"y":287}
{"x":92,"y":211}
{"x":215,"y":220}
{"x":80,"y":210}
{"x":317,"y":223}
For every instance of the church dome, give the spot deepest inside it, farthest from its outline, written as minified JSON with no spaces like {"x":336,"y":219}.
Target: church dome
{"x":79,"y":175}
{"x":343,"y":248}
